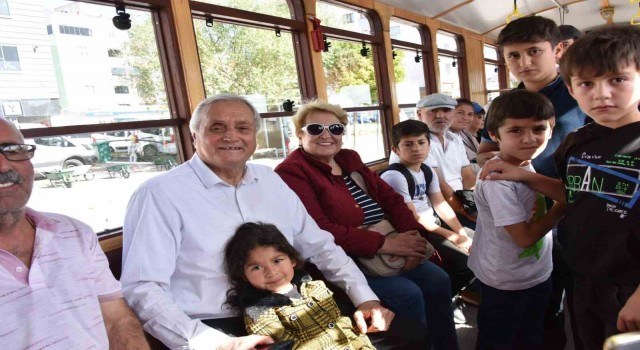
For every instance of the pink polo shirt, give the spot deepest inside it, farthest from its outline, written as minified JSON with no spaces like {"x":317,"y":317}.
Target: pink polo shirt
{"x":55,"y":304}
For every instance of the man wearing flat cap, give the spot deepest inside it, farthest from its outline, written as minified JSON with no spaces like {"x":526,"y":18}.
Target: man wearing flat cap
{"x":447,"y":155}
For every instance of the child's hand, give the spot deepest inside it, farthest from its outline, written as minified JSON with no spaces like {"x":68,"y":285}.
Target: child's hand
{"x":462,"y":241}
{"x":378,"y":316}
{"x":497,"y":169}
{"x":629,"y":316}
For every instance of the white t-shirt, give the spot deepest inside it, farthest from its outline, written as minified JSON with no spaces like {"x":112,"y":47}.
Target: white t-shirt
{"x":420,"y":200}
{"x":495,"y":259}
{"x":450,"y":159}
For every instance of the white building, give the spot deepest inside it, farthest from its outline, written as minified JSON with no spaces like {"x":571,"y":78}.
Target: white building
{"x":28,"y":89}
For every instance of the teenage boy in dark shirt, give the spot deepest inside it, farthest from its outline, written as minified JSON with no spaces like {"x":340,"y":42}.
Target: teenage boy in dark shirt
{"x":599,"y":168}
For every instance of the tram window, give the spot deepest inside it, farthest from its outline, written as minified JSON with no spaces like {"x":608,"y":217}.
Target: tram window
{"x":343,"y":17}
{"x":408,"y":113}
{"x":492,"y":80}
{"x":364,"y":135}
{"x":58,"y":87}
{"x":247,"y":61}
{"x":449,"y":76}
{"x":349,"y":76}
{"x":278,"y":8}
{"x":276,"y":140}
{"x":410,"y":83}
{"x":405,"y":32}
{"x":450,"y":64}
{"x":91,"y":176}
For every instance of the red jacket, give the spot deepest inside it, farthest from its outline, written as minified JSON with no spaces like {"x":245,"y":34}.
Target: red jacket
{"x":329,"y":202}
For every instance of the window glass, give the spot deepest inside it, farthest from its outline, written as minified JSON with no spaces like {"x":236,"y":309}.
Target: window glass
{"x":364,"y":135}
{"x":350,"y":77}
{"x":341,"y":17}
{"x":399,"y":30}
{"x":246,"y":61}
{"x":493,"y":83}
{"x":446,"y":41}
{"x":408,"y":113}
{"x":449,"y":76}
{"x":490,"y":53}
{"x":73,"y":65}
{"x":4,"y":8}
{"x":410,"y":83}
{"x":9,"y":60}
{"x":76,"y":68}
{"x":91,"y":176}
{"x":276,"y":139}
{"x":278,"y":8}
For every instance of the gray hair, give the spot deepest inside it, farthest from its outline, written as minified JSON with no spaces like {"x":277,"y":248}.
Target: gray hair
{"x":200,"y":113}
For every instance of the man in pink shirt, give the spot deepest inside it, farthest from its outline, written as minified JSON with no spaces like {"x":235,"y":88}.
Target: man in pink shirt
{"x":56,"y":289}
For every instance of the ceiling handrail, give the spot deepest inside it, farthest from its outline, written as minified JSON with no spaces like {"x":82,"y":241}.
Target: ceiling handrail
{"x":515,"y":12}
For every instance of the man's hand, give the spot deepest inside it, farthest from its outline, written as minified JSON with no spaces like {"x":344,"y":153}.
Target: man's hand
{"x":248,"y":342}
{"x":496,"y":169}
{"x":378,"y":316}
{"x":629,"y":316}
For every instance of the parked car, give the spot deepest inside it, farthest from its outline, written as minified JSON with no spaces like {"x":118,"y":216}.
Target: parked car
{"x":152,"y":141}
{"x":58,"y":152}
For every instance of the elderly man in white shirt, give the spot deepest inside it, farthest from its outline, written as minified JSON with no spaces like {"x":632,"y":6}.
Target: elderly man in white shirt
{"x":447,"y":155}
{"x":177,"y":225}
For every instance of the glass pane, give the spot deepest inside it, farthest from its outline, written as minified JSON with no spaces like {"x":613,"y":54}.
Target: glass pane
{"x":66,"y":68}
{"x":248,"y":61}
{"x":492,"y":95}
{"x":364,"y":135}
{"x":91,"y":176}
{"x":278,"y":8}
{"x":490,"y":53}
{"x":446,"y":41}
{"x":276,"y":139}
{"x":491,"y":73}
{"x":350,"y":77}
{"x":9,"y":59}
{"x":335,"y":16}
{"x":4,"y":8}
{"x":408,"y":113}
{"x":449,"y":79}
{"x":405,"y":32}
{"x":410,"y":83}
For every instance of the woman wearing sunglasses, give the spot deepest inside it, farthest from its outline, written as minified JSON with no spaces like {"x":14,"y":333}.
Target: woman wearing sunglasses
{"x":322,"y":174}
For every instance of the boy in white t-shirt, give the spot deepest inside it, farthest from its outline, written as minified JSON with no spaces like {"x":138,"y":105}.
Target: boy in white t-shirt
{"x":511,"y":253}
{"x":411,"y":143}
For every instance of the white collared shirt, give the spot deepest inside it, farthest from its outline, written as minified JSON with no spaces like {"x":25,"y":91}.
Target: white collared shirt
{"x":175,"y":230}
{"x":450,"y":158}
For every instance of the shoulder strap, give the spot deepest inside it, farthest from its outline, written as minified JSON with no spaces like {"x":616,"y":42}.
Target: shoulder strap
{"x":407,"y":175}
{"x":428,"y":174}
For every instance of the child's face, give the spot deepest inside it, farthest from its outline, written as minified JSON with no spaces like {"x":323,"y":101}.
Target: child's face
{"x":412,"y":150}
{"x":462,"y":117}
{"x":532,"y":63}
{"x":477,"y":122}
{"x":611,"y":99}
{"x":522,"y":139}
{"x":269,"y":269}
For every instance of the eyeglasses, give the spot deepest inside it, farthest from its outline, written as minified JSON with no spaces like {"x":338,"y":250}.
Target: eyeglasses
{"x":15,"y":152}
{"x":336,"y":129}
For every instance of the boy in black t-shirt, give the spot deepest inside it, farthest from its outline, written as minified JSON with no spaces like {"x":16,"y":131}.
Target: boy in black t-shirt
{"x":599,"y":167}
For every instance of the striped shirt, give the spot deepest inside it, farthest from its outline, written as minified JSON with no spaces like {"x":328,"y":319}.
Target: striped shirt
{"x":372,"y":211}
{"x":55,"y":303}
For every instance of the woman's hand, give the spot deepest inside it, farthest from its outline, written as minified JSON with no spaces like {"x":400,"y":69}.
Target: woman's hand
{"x":408,"y":243}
